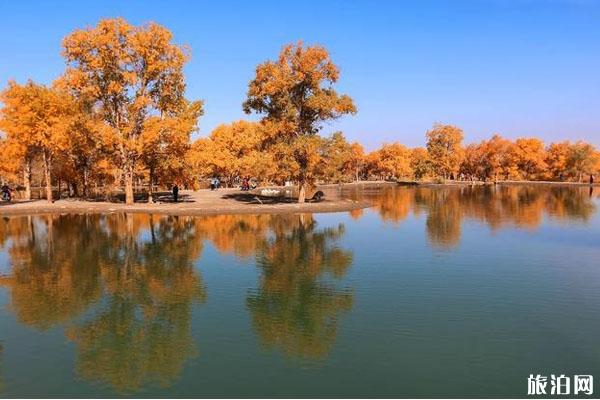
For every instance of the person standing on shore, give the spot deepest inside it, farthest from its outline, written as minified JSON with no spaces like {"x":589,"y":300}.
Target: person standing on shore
{"x":175,"y":193}
{"x":591,"y":179}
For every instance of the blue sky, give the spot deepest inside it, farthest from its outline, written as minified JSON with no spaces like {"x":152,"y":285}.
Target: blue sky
{"x":518,"y":68}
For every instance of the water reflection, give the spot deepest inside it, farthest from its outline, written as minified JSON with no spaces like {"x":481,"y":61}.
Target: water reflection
{"x":141,"y":290}
{"x":142,"y":331}
{"x":293,"y":310}
{"x":123,"y":286}
{"x":497,"y":206}
{"x":1,"y":370}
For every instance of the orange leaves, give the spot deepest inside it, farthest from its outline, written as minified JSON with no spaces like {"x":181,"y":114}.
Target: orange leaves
{"x":530,"y":157}
{"x":233,"y":150}
{"x":130,"y":73}
{"x":392,"y":160}
{"x":35,"y":116}
{"x":444,"y":144}
{"x":295,"y":95}
{"x":297,"y":88}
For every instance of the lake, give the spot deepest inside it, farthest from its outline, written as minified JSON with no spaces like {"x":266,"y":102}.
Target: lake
{"x":450,"y":291}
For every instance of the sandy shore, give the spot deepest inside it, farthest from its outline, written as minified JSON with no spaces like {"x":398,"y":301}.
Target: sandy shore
{"x":201,"y":202}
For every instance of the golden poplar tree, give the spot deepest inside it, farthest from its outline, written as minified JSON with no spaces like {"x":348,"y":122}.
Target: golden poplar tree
{"x":129,"y":73}
{"x":35,"y":119}
{"x":295,"y":95}
{"x":530,"y":157}
{"x":444,"y":144}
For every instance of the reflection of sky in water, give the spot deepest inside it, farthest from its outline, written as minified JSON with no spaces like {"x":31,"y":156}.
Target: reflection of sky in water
{"x":4,"y":263}
{"x":430,"y":292}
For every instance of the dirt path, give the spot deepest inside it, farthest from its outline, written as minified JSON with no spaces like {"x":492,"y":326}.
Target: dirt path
{"x":201,"y":202}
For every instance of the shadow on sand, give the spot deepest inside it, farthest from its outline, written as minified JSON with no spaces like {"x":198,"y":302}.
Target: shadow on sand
{"x":252,"y":198}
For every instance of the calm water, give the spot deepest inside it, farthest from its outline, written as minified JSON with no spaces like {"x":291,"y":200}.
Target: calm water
{"x":432,"y":292}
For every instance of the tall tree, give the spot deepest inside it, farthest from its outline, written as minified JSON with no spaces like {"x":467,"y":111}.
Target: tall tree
{"x":393,"y":161}
{"x":232,"y":151}
{"x":35,"y":119}
{"x":581,"y":160}
{"x":420,"y":163}
{"x":557,"y":157}
{"x":337,"y":153}
{"x":295,"y":95}
{"x":530,"y":156}
{"x":165,"y":141}
{"x":129,"y":73}
{"x":357,"y":161}
{"x":17,"y":121}
{"x":489,"y":159}
{"x":444,"y":144}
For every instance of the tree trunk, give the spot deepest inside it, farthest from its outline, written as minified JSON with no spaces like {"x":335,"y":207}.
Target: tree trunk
{"x":85,"y":182}
{"x":59,"y":187}
{"x":47,"y":166}
{"x":128,"y":177}
{"x":73,"y":190}
{"x":27,"y":178}
{"x":152,"y":234}
{"x":151,"y":176}
{"x":302,"y":192}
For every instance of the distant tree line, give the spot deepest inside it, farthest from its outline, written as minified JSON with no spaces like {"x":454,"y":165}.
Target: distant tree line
{"x":118,"y":119}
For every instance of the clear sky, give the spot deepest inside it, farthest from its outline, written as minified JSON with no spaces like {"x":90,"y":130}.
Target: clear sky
{"x":518,"y":68}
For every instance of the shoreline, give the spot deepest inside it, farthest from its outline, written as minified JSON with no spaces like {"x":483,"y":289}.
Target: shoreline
{"x":501,"y":183}
{"x":223,"y":202}
{"x":201,"y":202}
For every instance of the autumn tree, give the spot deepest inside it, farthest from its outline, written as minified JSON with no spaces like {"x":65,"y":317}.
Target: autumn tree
{"x":129,"y":73}
{"x":557,"y":157}
{"x":17,"y":121}
{"x":165,"y":141}
{"x":420,"y":163}
{"x":502,"y":157}
{"x":13,"y":163}
{"x":530,"y":157}
{"x":232,"y":151}
{"x":489,"y":159}
{"x":35,"y":119}
{"x":473,"y":164}
{"x":393,"y":161}
{"x":295,"y":95}
{"x":301,"y":157}
{"x":337,"y":153}
{"x":581,"y":160}
{"x":444,"y":144}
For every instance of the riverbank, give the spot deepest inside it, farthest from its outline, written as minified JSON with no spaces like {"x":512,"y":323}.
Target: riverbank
{"x":506,"y":183}
{"x":201,"y":202}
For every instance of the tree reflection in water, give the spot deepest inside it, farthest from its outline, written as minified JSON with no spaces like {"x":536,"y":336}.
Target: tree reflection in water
{"x":143,"y":329}
{"x":141,"y":289}
{"x":124,"y":286}
{"x":446,"y":208}
{"x":293,"y":310}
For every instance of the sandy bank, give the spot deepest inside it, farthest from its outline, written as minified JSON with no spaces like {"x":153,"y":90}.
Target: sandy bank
{"x":202,"y":202}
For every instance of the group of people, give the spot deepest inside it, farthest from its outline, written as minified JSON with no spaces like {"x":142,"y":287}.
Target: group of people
{"x":246,"y":183}
{"x":6,"y":193}
{"x":215,"y":183}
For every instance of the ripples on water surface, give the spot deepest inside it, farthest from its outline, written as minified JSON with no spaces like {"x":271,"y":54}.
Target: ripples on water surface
{"x":432,"y":292}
